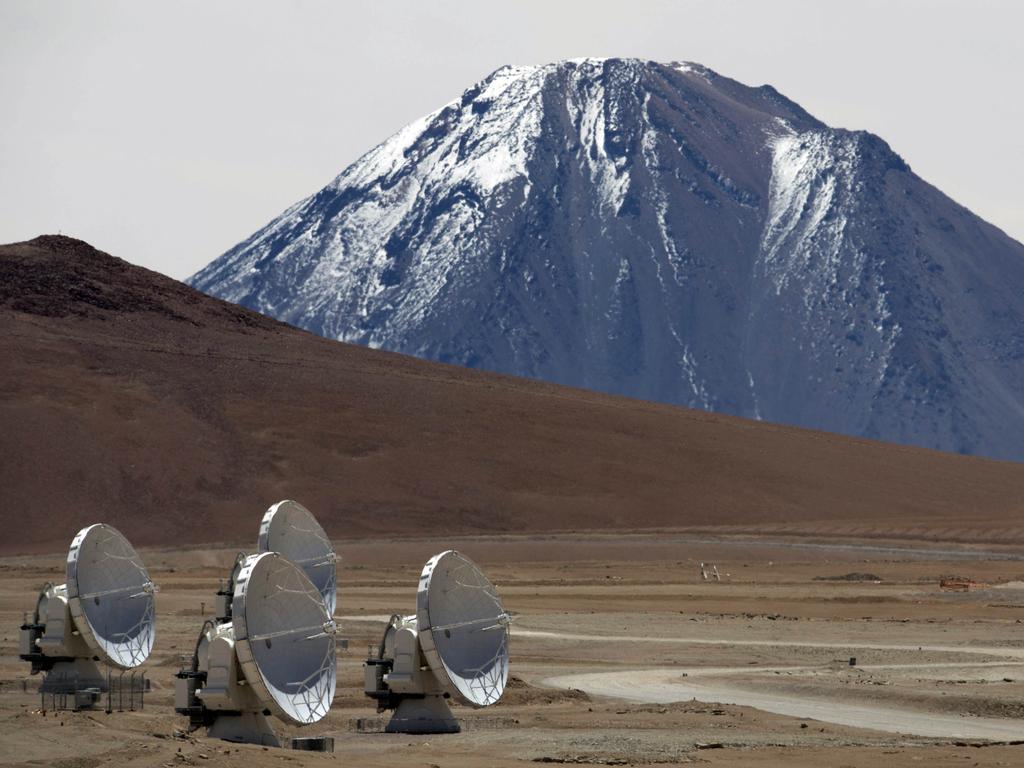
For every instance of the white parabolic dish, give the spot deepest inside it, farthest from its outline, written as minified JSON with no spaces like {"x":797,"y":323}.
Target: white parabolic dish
{"x":463,"y":629}
{"x":290,"y":528}
{"x":110,"y":596}
{"x":284,"y":638}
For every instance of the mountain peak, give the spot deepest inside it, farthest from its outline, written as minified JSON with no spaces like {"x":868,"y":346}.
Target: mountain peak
{"x":60,"y":276}
{"x":662,"y":231}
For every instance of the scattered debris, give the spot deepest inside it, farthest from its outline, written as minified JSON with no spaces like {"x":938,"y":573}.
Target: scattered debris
{"x":855,"y":576}
{"x":582,"y":760}
{"x":960,"y":584}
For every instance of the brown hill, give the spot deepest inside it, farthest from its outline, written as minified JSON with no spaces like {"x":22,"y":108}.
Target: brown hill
{"x":130,"y":398}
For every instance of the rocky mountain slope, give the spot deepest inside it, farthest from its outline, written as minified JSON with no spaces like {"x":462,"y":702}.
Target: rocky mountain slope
{"x":661,"y":231}
{"x":131,"y":398}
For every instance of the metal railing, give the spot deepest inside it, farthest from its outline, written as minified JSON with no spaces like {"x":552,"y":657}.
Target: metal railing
{"x":126,"y":690}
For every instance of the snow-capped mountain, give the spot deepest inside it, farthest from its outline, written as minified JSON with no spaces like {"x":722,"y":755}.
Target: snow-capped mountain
{"x":661,"y":231}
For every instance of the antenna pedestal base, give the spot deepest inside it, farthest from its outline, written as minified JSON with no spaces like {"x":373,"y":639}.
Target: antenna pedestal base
{"x":74,"y":675}
{"x":431,"y":714}
{"x":244,"y":728}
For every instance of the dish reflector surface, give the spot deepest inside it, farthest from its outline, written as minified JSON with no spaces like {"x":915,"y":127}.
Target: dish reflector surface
{"x":284,"y":638}
{"x":111,"y":596}
{"x":290,"y":528}
{"x":463,"y":629}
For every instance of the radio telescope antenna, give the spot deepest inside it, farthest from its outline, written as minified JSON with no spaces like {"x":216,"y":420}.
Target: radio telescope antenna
{"x":456,"y":645}
{"x":276,"y":655}
{"x":290,"y":528}
{"x":104,"y":612}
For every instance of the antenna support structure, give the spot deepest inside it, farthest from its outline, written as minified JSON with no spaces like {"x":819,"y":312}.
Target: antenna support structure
{"x":272,"y":647}
{"x":103,"y":614}
{"x":398,"y":678}
{"x":454,"y":647}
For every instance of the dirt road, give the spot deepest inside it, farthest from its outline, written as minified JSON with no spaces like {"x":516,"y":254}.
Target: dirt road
{"x":665,"y":686}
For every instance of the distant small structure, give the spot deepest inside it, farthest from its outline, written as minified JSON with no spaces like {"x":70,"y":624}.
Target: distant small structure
{"x":708,"y":575}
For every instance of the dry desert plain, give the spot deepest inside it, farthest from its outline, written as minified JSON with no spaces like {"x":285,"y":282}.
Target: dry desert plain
{"x":621,"y":655}
{"x":131,"y":398}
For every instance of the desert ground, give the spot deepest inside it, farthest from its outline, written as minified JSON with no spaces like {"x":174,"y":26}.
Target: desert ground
{"x":621,"y":655}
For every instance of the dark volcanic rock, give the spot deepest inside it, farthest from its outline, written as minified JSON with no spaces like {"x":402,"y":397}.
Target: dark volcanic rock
{"x":58,"y":276}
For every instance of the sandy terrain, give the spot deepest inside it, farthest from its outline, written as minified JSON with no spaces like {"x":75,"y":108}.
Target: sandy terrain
{"x":132,"y":399}
{"x":621,"y":656}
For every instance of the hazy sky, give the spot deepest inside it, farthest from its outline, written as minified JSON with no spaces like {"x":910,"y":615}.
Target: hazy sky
{"x":164,"y":133}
